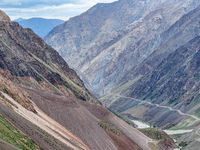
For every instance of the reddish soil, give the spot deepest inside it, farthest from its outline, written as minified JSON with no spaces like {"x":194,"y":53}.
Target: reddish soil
{"x":81,"y":119}
{"x":6,"y":146}
{"x":123,"y":142}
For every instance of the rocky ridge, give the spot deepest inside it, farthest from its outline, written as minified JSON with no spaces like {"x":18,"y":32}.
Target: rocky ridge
{"x":109,"y":40}
{"x":46,"y":101}
{"x":27,"y":59}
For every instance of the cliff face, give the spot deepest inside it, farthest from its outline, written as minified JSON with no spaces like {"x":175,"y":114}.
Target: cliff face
{"x":108,"y":41}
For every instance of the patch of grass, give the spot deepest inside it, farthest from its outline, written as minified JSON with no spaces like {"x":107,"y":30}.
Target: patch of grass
{"x":184,"y":144}
{"x":184,"y":125}
{"x":124,"y":86}
{"x":123,"y":118}
{"x":154,"y":133}
{"x":177,"y":136}
{"x":195,"y":79}
{"x":109,"y":127}
{"x":42,"y":62}
{"x":158,"y":136}
{"x":74,"y":86}
{"x":195,"y":102}
{"x":197,"y":112}
{"x":13,"y":136}
{"x":56,"y":71}
{"x":151,"y":97}
{"x":153,"y":146}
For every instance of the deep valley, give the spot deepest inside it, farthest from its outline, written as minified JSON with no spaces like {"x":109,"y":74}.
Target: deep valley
{"x":123,"y":75}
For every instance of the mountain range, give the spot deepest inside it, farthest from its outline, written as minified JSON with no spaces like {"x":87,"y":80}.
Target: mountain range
{"x":108,"y":41}
{"x":40,"y":26}
{"x":140,"y":57}
{"x":45,"y":105}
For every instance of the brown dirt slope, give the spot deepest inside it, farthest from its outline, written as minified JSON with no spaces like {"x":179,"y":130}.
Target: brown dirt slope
{"x":81,"y":119}
{"x":6,"y":146}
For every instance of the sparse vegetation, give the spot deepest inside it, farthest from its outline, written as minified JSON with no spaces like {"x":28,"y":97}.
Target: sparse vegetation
{"x":124,"y":118}
{"x":177,"y":136}
{"x":109,"y":127}
{"x":184,"y":144}
{"x":13,"y":136}
{"x":124,"y":85}
{"x":154,"y":133}
{"x":153,"y":96}
{"x":153,"y":146}
{"x":7,"y":101}
{"x":159,"y":136}
{"x":184,"y":125}
{"x":197,"y":112}
{"x":13,"y":91}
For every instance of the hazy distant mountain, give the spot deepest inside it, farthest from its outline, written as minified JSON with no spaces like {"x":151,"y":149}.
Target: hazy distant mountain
{"x":40,"y":26}
{"x":19,"y":19}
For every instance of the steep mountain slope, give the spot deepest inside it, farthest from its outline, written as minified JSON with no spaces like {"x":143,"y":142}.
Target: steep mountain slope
{"x":27,"y":59}
{"x":45,"y":99}
{"x":190,"y":141}
{"x":40,"y":26}
{"x":108,"y":40}
{"x":173,"y":83}
{"x":181,"y":32}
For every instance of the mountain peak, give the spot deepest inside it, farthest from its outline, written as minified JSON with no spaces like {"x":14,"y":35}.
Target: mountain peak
{"x":4,"y":17}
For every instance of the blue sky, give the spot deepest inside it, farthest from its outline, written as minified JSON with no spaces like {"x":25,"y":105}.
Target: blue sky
{"x":60,"y":9}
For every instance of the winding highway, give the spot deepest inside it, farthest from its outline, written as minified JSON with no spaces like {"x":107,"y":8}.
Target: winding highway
{"x":157,"y":105}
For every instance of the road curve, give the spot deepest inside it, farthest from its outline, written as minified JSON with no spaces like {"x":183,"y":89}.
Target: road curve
{"x":157,"y":105}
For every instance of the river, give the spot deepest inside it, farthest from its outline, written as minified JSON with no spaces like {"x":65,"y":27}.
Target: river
{"x":142,"y":125}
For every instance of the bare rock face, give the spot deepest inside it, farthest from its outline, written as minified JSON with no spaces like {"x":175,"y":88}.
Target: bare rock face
{"x":105,"y":43}
{"x":4,"y":17}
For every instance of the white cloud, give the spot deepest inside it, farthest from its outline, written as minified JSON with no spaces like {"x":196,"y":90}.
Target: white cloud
{"x":10,"y":2}
{"x":61,"y":11}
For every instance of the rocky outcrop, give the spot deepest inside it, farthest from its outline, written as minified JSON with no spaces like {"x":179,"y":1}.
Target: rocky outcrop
{"x":4,"y":17}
